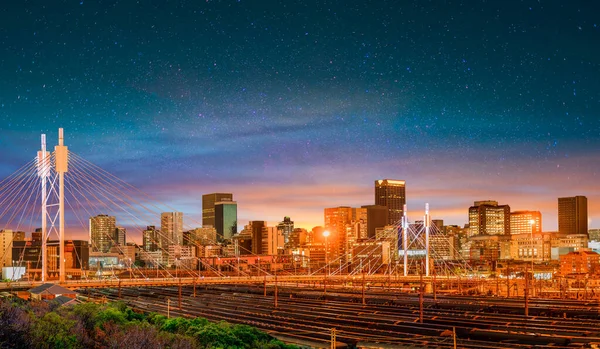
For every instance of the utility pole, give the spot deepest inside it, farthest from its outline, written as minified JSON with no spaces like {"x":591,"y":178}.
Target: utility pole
{"x":508,"y":279}
{"x":168,"y":308}
{"x":421,"y":294}
{"x":454,"y":336}
{"x":333,"y":339}
{"x":363,"y":287}
{"x":526,"y":291}
{"x":434,"y":283}
{"x":276,"y":290}
{"x":179,"y":293}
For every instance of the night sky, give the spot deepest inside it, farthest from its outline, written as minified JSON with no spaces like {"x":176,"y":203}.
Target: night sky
{"x":294,"y":106}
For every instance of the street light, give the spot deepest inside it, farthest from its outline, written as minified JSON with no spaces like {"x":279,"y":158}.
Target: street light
{"x":326,"y":234}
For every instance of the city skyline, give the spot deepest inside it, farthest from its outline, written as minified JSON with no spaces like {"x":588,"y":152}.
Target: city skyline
{"x":296,"y":107}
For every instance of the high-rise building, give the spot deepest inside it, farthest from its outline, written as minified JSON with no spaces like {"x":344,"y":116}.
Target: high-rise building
{"x":151,"y":239}
{"x":203,"y":236}
{"x":208,"y":206}
{"x":7,"y":238}
{"x":337,"y":220}
{"x":377,"y":217}
{"x":29,"y":254}
{"x":286,"y":227}
{"x":256,"y":230}
{"x":489,"y":218}
{"x":102,"y":233}
{"x":171,"y":226}
{"x":525,"y":222}
{"x":594,"y":234}
{"x":572,"y":215}
{"x":121,"y":234}
{"x":272,"y":241}
{"x":392,"y":194}
{"x":297,"y":238}
{"x":225,"y":219}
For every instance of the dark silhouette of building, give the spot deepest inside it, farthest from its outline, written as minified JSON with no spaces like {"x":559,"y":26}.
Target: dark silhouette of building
{"x":392,"y":194}
{"x":256,"y":229}
{"x":572,"y":215}
{"x":377,"y":217}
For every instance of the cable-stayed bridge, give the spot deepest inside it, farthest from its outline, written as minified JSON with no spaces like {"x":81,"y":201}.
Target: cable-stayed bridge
{"x":60,"y":185}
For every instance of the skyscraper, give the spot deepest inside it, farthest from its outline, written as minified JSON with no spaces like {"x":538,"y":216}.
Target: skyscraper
{"x":208,"y":206}
{"x":489,"y":218}
{"x":171,"y":226}
{"x":286,"y":227}
{"x":7,"y":237}
{"x":272,"y":241}
{"x":225,"y":217}
{"x":525,"y":222}
{"x":572,"y":215}
{"x":256,"y":229}
{"x":102,"y":233}
{"x":150,"y":239}
{"x":377,"y":217}
{"x":121,"y":235}
{"x":392,"y":194}
{"x":337,"y":222}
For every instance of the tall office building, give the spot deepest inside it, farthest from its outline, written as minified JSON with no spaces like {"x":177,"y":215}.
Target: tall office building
{"x":102,"y":233}
{"x":272,"y":241}
{"x":150,"y":239}
{"x":344,"y":224}
{"x":225,"y":219}
{"x":256,"y":230}
{"x":171,"y":226}
{"x":525,"y":222}
{"x":572,"y":215}
{"x":121,"y":234}
{"x":377,"y":217}
{"x":489,"y":218}
{"x":392,"y":194}
{"x":286,"y":227}
{"x":208,"y":206}
{"x":203,"y":236}
{"x":7,"y":238}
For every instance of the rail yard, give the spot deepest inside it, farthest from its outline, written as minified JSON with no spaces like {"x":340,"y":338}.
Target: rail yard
{"x":388,"y":318}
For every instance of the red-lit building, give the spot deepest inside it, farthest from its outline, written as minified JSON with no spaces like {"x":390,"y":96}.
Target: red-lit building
{"x":580,"y":262}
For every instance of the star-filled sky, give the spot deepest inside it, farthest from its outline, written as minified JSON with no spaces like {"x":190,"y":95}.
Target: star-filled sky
{"x":294,"y":106}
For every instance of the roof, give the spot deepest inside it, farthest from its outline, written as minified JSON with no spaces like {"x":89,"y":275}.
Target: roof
{"x":64,"y":300}
{"x":51,"y":289}
{"x":577,"y":253}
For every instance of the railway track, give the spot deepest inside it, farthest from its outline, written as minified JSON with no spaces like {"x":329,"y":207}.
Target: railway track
{"x":307,"y":316}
